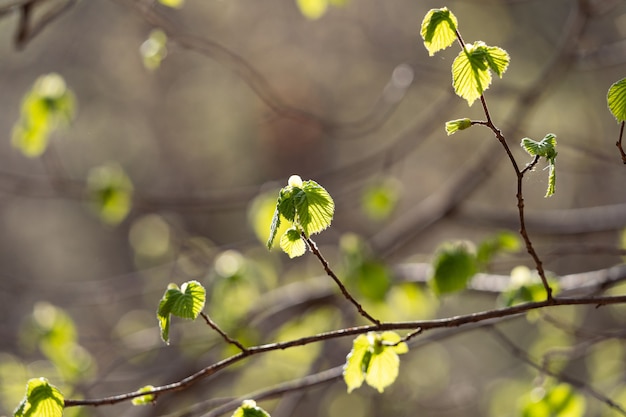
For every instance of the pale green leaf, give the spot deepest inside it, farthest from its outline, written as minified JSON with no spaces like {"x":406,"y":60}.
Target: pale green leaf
{"x":312,"y":9}
{"x":292,"y":243}
{"x":353,"y":372}
{"x":186,"y":302}
{"x":616,"y":99}
{"x":452,"y":268}
{"x":551,"y":179}
{"x":394,"y":341}
{"x":438,"y":29}
{"x":314,"y":207}
{"x":545,"y":148}
{"x":176,"y":4}
{"x":249,"y":409}
{"x":111,"y":192}
{"x":471,"y":74}
{"x":383,"y":369}
{"x":144,"y":399}
{"x":42,"y":400}
{"x":452,"y":126}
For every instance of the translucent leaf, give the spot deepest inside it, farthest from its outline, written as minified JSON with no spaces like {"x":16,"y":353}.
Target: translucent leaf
{"x":374,"y":359}
{"x":250,"y":409}
{"x":453,"y":126}
{"x":470,"y":70}
{"x":454,"y":265}
{"x":42,"y":400}
{"x":353,"y":373}
{"x":144,"y":399}
{"x":545,"y":148}
{"x":111,"y":192}
{"x":291,"y":242}
{"x":186,"y":302}
{"x":438,"y":29}
{"x":312,"y":9}
{"x":561,"y":400}
{"x":616,"y":99}
{"x":261,"y":214}
{"x":153,"y":49}
{"x":314,"y":207}
{"x":48,"y":105}
{"x":176,"y":4}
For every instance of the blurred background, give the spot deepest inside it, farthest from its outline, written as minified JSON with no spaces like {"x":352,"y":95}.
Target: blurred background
{"x":201,"y":124}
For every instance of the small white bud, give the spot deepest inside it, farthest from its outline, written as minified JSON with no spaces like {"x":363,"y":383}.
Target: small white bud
{"x":295,"y":181}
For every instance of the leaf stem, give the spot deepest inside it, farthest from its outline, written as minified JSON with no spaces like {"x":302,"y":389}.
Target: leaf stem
{"x":313,"y":247}
{"x":619,"y":143}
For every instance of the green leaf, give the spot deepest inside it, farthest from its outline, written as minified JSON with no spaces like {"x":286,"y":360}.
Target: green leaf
{"x":111,"y":193}
{"x":545,"y":148}
{"x":292,"y":244}
{"x":452,"y":126}
{"x":471,"y":74}
{"x":175,"y":4}
{"x":616,"y":99}
{"x":42,"y":400}
{"x":186,"y":302}
{"x":312,"y":9}
{"x":454,"y":265}
{"x":561,"y":400}
{"x":144,"y":399}
{"x":47,"y":106}
{"x":314,"y":207}
{"x":249,"y":409}
{"x":438,"y":29}
{"x":525,"y":287}
{"x":153,"y":49}
{"x":374,"y":359}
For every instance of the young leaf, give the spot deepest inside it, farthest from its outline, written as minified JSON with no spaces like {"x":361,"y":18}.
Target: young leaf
{"x":470,"y":70}
{"x":186,"y":302}
{"x":111,"y":193}
{"x":374,"y":359}
{"x":292,"y":244}
{"x":454,"y":265}
{"x":616,"y":99}
{"x":48,"y":105}
{"x":452,"y":126}
{"x":314,"y":207}
{"x":545,"y":148}
{"x":249,"y":409}
{"x":42,"y":400}
{"x":144,"y":399}
{"x":438,"y":29}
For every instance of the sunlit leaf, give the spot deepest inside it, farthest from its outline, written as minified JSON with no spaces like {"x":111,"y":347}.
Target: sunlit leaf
{"x":176,"y":4}
{"x":186,"y":302}
{"x":153,"y":50}
{"x":314,"y":207}
{"x":616,"y":99}
{"x":47,"y":106}
{"x":312,"y":9}
{"x":471,"y":74}
{"x":438,"y":29}
{"x":452,"y":268}
{"x":545,"y":148}
{"x":526,"y":286}
{"x":561,"y":400}
{"x":353,"y":372}
{"x":42,"y":400}
{"x":292,"y":244}
{"x":111,"y":192}
{"x":144,"y":399}
{"x":453,"y":126}
{"x":374,"y":359}
{"x":249,"y":409}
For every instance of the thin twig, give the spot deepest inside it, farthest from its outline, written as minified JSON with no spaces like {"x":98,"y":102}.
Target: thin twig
{"x":313,"y":247}
{"x":523,"y":356}
{"x":450,"y":322}
{"x":222,"y":333}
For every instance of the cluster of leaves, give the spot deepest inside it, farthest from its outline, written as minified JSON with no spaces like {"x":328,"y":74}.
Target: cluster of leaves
{"x":545,"y":148}
{"x":309,"y":209}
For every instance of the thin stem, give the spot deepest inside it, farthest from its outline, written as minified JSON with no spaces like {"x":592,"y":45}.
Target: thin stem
{"x":313,"y":247}
{"x":619,"y":143}
{"x":222,"y":333}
